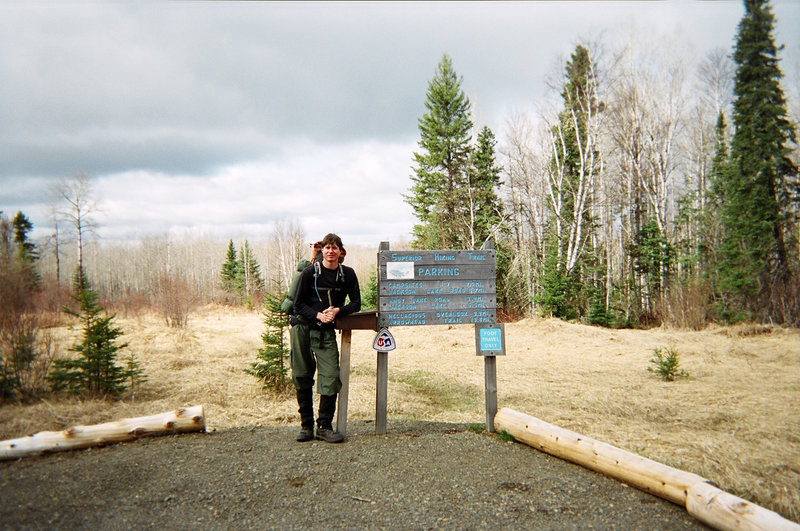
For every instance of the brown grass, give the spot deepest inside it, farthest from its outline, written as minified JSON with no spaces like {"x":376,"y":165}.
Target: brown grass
{"x":735,"y":420}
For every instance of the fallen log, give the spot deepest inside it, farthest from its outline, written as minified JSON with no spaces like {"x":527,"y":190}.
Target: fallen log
{"x":722,"y":510}
{"x":701,"y":499}
{"x":637,"y":471}
{"x":182,"y":420}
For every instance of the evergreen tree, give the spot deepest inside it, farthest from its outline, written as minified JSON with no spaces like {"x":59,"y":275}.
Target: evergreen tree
{"x":445,"y":135}
{"x":95,"y":370}
{"x":653,"y":258}
{"x":483,"y":208}
{"x":230,"y":275}
{"x":369,"y":297}
{"x":270,"y":367}
{"x":760,"y":192}
{"x":710,"y":228}
{"x":249,"y":273}
{"x":26,"y":250}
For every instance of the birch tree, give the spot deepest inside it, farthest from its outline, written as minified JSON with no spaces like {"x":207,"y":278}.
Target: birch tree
{"x":575,"y":166}
{"x":80,"y":207}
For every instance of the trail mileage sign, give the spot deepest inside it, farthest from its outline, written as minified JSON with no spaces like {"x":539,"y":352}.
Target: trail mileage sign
{"x":436,"y":287}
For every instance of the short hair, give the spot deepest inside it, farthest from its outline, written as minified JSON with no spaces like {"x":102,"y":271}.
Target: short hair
{"x":332,"y":238}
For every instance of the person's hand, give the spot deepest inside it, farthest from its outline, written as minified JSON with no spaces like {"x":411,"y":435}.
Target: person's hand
{"x":328,"y":315}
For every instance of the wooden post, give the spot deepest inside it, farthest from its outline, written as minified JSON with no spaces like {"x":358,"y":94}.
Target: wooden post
{"x":381,"y":385}
{"x":366,"y":320}
{"x":344,"y":376}
{"x":490,"y":377}
{"x":382,"y":379}
{"x":183,"y":420}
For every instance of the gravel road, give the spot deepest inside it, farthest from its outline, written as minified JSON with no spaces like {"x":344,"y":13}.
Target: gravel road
{"x":420,"y":475}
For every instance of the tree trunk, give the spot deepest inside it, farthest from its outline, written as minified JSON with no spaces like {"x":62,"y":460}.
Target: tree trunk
{"x":183,"y":420}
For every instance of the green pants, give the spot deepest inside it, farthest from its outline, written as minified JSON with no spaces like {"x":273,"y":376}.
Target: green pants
{"x":315,"y":350}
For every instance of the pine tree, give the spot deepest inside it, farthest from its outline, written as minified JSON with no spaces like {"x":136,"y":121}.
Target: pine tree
{"x":270,"y":367}
{"x":95,"y":371}
{"x":369,"y":297}
{"x":710,"y":228}
{"x":758,"y":270}
{"x":229,"y":275}
{"x":249,"y":272}
{"x":483,"y":206}
{"x":27,"y":255}
{"x":445,"y":135}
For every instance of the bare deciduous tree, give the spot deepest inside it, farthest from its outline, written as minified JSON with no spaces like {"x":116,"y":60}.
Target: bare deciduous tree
{"x":288,"y":238}
{"x":80,"y":206}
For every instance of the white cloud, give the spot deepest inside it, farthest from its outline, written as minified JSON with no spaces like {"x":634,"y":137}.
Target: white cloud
{"x":354,"y":189}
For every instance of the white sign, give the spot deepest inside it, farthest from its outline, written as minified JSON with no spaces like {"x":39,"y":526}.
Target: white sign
{"x":384,"y":341}
{"x":399,"y":270}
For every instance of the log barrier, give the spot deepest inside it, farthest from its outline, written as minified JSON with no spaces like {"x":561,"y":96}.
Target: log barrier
{"x":701,"y":499}
{"x":184,"y":420}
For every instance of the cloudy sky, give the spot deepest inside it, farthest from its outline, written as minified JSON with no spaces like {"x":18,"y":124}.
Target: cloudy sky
{"x":221,"y":118}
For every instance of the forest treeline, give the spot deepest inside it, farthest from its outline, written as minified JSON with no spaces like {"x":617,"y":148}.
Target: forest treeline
{"x":649,"y":193}
{"x":649,"y":190}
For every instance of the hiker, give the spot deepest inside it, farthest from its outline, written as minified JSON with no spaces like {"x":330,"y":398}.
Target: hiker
{"x":320,"y":299}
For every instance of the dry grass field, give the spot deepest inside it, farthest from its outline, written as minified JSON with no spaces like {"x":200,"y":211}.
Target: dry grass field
{"x":734,"y":420}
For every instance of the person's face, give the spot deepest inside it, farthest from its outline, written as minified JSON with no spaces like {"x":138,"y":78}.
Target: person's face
{"x":331,"y":253}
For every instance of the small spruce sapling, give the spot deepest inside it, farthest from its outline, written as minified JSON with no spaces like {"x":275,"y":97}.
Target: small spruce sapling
{"x":95,"y":371}
{"x":270,"y":367}
{"x":666,"y":364}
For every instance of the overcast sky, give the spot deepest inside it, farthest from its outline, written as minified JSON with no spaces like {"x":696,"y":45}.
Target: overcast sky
{"x":220,"y":118}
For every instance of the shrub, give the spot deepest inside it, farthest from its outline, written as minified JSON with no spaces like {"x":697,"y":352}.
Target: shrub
{"x":174,"y":300}
{"x":665,"y":363}
{"x":26,"y":353}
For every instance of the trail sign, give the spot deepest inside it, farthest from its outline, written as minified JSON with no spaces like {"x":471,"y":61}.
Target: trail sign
{"x":384,"y":341}
{"x":490,"y":339}
{"x":436,"y":287}
{"x":439,"y":287}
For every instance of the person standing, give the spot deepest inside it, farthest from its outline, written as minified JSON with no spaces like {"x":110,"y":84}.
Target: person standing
{"x":323,"y":289}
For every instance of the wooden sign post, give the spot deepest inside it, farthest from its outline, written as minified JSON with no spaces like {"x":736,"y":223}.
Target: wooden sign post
{"x":418,"y":288}
{"x":355,"y":321}
{"x":490,"y":341}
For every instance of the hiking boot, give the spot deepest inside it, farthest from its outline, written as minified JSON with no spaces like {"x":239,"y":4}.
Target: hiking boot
{"x":305,"y":399}
{"x":305,"y":434}
{"x":328,"y":435}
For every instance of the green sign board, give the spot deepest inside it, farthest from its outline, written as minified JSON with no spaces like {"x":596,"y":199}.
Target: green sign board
{"x":436,"y":287}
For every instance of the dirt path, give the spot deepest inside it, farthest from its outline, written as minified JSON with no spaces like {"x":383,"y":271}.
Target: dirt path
{"x":421,"y":475}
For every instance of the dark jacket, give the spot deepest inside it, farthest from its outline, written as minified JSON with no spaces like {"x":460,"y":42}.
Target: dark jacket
{"x":329,"y":287}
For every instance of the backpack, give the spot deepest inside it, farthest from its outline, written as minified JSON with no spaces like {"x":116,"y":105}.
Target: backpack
{"x":287,"y":306}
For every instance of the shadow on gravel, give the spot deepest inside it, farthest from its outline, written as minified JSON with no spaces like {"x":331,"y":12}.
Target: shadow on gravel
{"x":421,"y":475}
